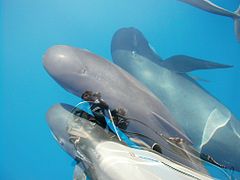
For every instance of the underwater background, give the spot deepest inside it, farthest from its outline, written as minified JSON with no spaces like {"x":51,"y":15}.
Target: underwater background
{"x":27,"y":149}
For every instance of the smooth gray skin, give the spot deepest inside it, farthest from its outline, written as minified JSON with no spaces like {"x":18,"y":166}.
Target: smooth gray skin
{"x":62,"y":121}
{"x":65,"y":125}
{"x":215,"y":9}
{"x":211,"y":7}
{"x":78,"y":70}
{"x":212,"y":128}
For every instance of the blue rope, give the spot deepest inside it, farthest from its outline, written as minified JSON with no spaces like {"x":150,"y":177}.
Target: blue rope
{"x":87,"y":109}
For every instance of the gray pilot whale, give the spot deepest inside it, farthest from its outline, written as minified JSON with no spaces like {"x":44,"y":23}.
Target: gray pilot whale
{"x":215,"y":9}
{"x":212,"y":128}
{"x":78,"y":70}
{"x":101,"y":156}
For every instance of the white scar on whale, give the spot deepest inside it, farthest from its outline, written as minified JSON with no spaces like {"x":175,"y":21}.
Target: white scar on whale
{"x":213,"y":124}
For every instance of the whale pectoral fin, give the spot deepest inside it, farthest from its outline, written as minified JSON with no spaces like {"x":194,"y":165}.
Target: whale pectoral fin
{"x":183,"y":64}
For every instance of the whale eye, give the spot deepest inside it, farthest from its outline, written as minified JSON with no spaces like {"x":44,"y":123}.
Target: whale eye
{"x":83,"y":70}
{"x":134,"y":53}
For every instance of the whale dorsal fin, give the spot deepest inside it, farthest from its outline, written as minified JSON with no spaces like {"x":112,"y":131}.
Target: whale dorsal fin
{"x":184,"y":64}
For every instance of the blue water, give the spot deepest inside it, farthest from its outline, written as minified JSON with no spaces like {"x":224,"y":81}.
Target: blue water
{"x":27,"y":149}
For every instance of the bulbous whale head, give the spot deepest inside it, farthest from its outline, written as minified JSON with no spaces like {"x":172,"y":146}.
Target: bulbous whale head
{"x":74,"y":69}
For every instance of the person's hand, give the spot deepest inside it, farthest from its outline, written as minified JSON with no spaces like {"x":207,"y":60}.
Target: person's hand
{"x":97,"y":95}
{"x":121,"y":111}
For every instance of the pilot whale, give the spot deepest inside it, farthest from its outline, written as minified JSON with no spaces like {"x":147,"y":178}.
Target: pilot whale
{"x":212,"y":128}
{"x":100,"y":155}
{"x":215,"y":9}
{"x":78,"y":70}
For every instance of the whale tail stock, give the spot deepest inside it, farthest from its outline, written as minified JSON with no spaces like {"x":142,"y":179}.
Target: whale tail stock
{"x":237,"y":23}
